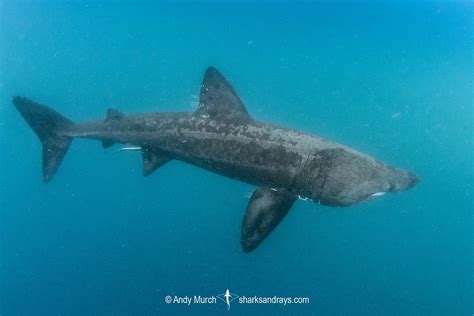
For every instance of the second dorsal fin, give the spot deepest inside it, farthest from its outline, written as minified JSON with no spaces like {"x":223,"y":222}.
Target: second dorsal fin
{"x":113,"y":115}
{"x":218,"y":100}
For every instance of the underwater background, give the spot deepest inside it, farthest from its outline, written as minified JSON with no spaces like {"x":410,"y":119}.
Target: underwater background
{"x":391,"y":79}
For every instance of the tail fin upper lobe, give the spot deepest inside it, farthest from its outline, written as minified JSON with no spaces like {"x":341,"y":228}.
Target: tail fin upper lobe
{"x":48,"y":125}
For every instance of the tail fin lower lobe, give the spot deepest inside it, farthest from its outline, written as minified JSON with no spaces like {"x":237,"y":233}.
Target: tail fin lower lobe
{"x":48,"y":125}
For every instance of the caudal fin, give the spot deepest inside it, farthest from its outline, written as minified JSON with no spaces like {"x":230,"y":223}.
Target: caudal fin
{"x":48,"y":126}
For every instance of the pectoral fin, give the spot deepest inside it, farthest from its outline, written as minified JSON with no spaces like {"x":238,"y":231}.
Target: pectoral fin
{"x":266,"y":208}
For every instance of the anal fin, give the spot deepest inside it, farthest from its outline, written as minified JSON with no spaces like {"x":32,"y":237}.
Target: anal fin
{"x":152,"y":160}
{"x":266,"y":208}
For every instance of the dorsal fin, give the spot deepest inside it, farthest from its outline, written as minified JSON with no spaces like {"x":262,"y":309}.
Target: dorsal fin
{"x":218,"y":100}
{"x":113,"y":115}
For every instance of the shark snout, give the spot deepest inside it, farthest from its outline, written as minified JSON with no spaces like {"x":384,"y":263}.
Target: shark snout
{"x":404,"y":180}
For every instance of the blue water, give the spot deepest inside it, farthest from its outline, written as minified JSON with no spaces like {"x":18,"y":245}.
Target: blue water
{"x":394,"y":80}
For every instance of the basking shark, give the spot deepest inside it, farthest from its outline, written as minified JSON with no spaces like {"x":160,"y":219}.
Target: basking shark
{"x":222,"y":137}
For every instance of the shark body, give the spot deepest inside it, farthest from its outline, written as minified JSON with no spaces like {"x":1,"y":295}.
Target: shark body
{"x":222,"y":137}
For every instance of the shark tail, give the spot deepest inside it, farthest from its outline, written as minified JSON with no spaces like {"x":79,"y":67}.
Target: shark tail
{"x":49,"y":126}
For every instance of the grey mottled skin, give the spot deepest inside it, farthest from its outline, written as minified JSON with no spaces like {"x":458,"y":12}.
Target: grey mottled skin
{"x":222,"y":137}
